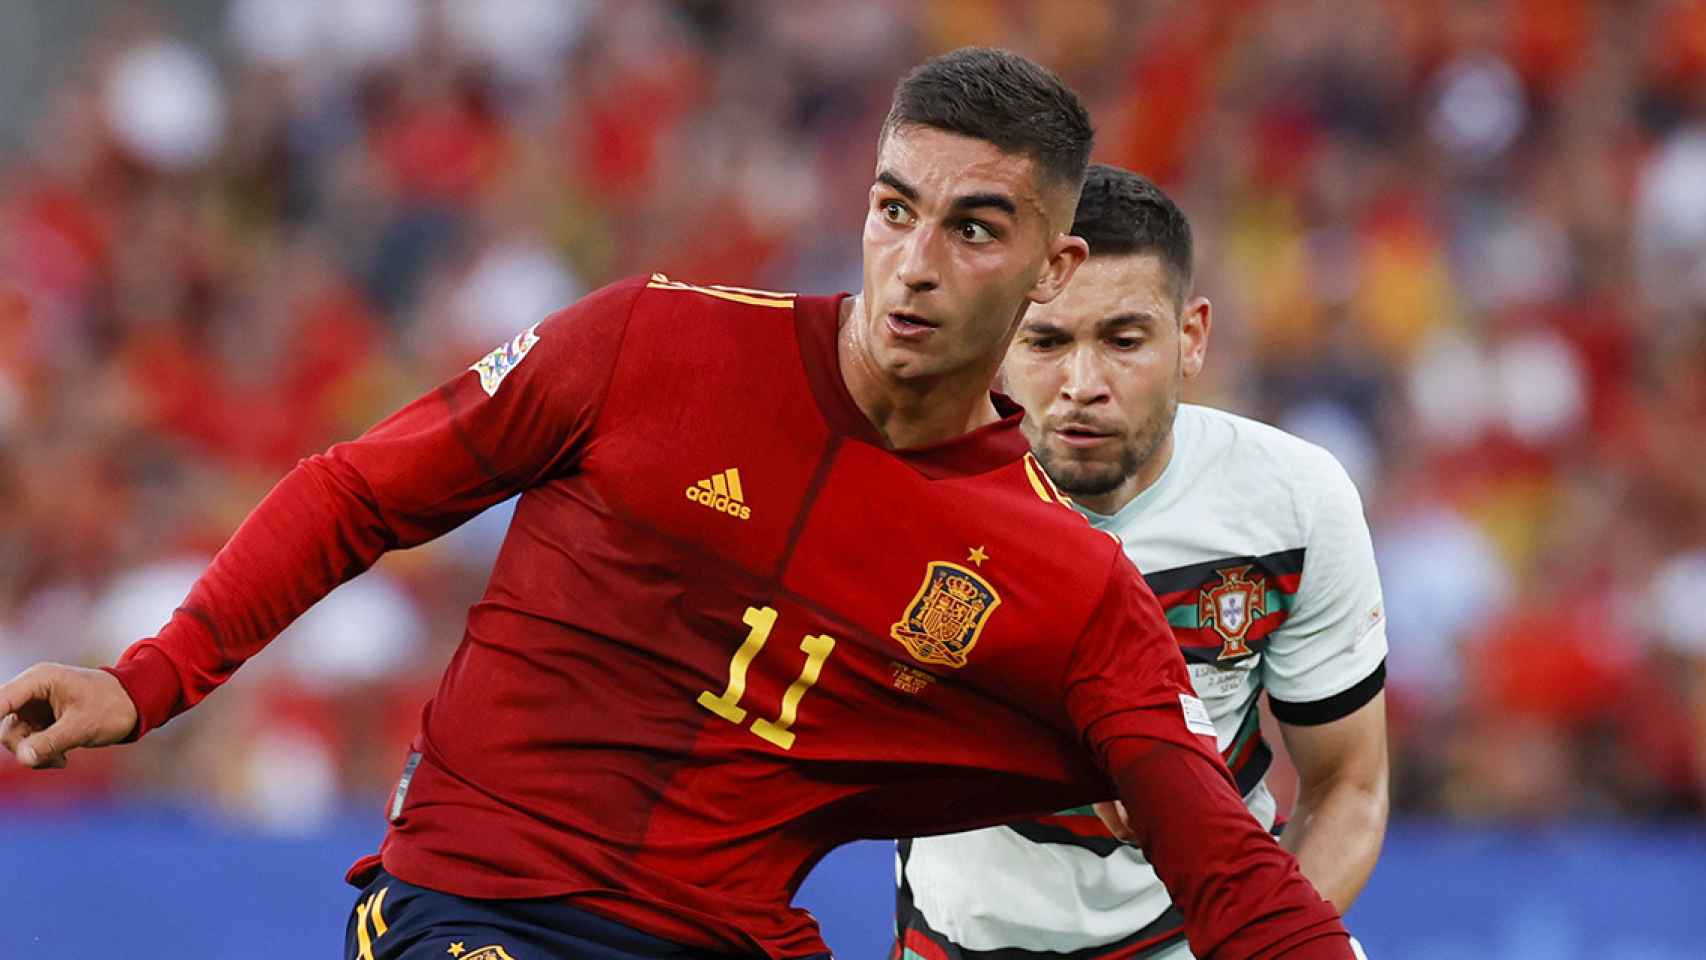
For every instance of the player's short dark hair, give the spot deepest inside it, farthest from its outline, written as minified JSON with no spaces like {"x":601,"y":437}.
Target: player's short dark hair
{"x":1002,"y":98}
{"x":1121,"y":213}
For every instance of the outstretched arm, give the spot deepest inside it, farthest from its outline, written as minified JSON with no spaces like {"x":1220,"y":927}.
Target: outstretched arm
{"x":512,"y":421}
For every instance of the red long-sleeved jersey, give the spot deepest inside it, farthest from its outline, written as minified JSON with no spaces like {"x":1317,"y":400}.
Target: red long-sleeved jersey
{"x":729,"y":631}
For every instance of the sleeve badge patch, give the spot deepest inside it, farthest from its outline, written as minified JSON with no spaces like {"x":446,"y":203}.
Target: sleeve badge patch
{"x":1197,"y":719}
{"x":946,"y":616}
{"x":495,"y":366}
{"x":1376,"y":616}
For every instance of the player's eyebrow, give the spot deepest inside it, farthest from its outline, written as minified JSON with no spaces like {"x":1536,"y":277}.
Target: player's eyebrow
{"x":1043,"y":328}
{"x":971,"y":201}
{"x":1119,"y":321}
{"x":900,"y":186}
{"x":999,"y":201}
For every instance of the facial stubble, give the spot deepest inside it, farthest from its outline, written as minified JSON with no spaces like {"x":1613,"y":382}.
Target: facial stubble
{"x":1091,"y":478}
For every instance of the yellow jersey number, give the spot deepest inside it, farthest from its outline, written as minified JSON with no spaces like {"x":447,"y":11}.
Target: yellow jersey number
{"x":760,"y":621}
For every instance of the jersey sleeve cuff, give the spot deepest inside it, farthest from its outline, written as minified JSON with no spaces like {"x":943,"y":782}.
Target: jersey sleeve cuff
{"x":149,"y":678}
{"x":1335,"y":707}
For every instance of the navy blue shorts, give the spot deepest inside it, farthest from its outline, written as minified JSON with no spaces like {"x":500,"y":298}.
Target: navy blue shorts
{"x":393,"y":920}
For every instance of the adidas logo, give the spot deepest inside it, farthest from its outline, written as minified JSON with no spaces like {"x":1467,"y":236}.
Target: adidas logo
{"x":721,"y":492}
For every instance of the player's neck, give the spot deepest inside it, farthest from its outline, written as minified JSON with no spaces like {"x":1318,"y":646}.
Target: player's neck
{"x":918,"y":412}
{"x":1146,"y":475}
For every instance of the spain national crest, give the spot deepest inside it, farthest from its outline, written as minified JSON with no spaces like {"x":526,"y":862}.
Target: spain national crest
{"x":1231,"y":606}
{"x":946,"y":616}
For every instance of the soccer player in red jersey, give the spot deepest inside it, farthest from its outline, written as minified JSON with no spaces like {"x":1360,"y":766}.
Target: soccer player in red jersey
{"x":781,"y":576}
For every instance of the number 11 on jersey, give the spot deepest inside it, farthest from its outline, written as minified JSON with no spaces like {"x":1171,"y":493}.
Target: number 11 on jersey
{"x":760,"y":621}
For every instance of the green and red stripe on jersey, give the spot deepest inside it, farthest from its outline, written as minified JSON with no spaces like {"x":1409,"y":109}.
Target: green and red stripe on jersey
{"x":1248,"y":756}
{"x":1180,"y":591}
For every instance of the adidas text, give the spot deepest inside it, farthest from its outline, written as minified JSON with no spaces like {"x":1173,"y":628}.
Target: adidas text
{"x":722,"y":493}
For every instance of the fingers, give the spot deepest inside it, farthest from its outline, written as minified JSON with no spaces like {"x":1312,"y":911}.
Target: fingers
{"x":1113,"y":816}
{"x":51,"y":709}
{"x":28,"y":728}
{"x":13,"y":730}
{"x":32,"y":684}
{"x":24,"y":739}
{"x":43,"y":750}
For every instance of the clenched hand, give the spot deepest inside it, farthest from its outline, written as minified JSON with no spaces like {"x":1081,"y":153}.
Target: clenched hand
{"x":51,"y":709}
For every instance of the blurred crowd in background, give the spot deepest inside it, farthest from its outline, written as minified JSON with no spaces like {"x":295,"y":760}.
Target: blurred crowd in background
{"x":1462,"y":244}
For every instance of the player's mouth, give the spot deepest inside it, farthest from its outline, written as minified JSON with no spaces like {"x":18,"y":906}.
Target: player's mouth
{"x":909,"y":326}
{"x":1082,"y":436}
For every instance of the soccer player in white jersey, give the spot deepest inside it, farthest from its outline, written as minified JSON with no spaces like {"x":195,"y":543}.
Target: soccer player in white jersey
{"x":1255,"y":543}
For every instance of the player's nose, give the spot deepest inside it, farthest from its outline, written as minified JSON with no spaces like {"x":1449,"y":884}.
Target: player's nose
{"x":1083,"y":380}
{"x":917,"y":268}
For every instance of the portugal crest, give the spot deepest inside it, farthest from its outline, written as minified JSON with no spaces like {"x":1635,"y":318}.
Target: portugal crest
{"x":946,"y":616}
{"x":1231,"y":606}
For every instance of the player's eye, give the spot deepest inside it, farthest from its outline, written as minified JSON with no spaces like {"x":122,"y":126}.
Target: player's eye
{"x":973,"y":232}
{"x":895,"y":212}
{"x":1125,"y":343}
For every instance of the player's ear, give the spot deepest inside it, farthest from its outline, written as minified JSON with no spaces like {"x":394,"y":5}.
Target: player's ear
{"x":1194,"y":325}
{"x":1066,"y":254}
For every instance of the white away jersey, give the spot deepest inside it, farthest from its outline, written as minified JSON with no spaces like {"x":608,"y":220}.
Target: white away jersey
{"x":1255,"y":543}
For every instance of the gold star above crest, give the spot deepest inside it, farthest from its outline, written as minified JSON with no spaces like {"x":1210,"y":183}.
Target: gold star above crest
{"x":457,"y":949}
{"x":977,"y":556}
